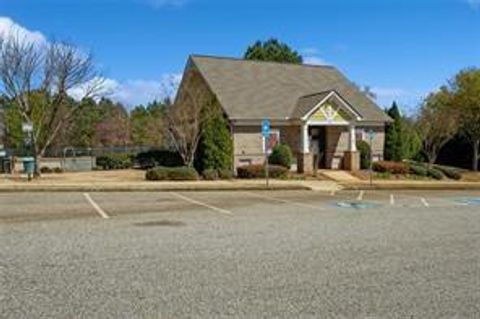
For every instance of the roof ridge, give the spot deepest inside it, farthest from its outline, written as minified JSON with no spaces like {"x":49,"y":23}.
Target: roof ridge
{"x":261,"y":62}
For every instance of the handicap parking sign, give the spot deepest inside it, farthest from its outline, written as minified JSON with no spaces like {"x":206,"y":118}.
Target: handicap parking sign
{"x":266,"y":128}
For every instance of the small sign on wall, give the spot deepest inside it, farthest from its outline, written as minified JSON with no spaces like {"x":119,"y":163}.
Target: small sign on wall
{"x":270,"y":141}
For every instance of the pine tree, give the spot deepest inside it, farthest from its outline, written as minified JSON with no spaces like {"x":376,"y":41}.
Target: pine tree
{"x":394,"y":138}
{"x":216,"y":147}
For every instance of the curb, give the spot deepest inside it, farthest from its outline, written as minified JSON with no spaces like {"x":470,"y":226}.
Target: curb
{"x":66,"y":188}
{"x":459,"y":186}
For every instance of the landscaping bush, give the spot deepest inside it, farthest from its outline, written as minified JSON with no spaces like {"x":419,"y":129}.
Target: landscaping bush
{"x":46,"y":170}
{"x":391,"y":167}
{"x":210,"y":174}
{"x":155,"y":158}
{"x":181,"y":173}
{"x":258,"y":171}
{"x":111,"y":161}
{"x":418,"y":170}
{"x":449,"y":172}
{"x":281,"y":155}
{"x":364,"y":149}
{"x":434,"y":173}
{"x":225,"y":173}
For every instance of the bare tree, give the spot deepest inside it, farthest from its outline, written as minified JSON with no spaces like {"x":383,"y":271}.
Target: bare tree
{"x":437,"y":123}
{"x":38,"y":77}
{"x":185,"y":118}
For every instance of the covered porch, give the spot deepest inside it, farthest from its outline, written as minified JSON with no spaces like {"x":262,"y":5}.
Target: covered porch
{"x":328,"y":134}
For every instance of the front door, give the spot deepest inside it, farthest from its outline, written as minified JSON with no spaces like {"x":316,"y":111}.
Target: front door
{"x":318,"y":146}
{"x":322,"y":162}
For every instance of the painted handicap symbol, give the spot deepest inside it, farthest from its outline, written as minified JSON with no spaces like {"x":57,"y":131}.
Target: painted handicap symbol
{"x":469,"y":201}
{"x":356,"y":205}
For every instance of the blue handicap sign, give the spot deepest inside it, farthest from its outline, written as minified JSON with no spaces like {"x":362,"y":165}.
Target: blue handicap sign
{"x":266,"y":128}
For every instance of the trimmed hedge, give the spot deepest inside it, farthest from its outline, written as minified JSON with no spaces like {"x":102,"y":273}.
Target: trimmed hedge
{"x":449,"y":172}
{"x":162,"y":173}
{"x":365,"y":154}
{"x":225,"y":173}
{"x":400,"y":168}
{"x":434,"y":173}
{"x":281,"y":155}
{"x":258,"y":171}
{"x":111,"y":161}
{"x":151,"y":159}
{"x":418,"y":170}
{"x":210,"y":174}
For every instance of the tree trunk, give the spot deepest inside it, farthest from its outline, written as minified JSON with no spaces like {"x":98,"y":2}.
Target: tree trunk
{"x":476,"y":147}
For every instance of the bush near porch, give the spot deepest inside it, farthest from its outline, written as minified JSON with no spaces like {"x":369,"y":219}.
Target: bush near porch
{"x":258,"y":171}
{"x":415,"y":169}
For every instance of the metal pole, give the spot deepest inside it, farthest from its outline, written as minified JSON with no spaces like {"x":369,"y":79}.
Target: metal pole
{"x":266,"y":162}
{"x":371,"y":161}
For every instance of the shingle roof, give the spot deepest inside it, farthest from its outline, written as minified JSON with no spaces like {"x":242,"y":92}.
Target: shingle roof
{"x":305,"y":103}
{"x":256,"y":90}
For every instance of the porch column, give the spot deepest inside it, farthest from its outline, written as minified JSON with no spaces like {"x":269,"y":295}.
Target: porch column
{"x":352,"y":147}
{"x":351,"y":159}
{"x":304,"y":140}
{"x":304,"y":156}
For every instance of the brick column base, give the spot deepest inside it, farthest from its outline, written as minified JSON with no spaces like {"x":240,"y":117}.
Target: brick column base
{"x":305,"y":163}
{"x":351,"y":161}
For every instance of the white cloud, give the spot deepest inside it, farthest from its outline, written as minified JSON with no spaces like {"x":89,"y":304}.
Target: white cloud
{"x":311,"y":56}
{"x":475,"y":4}
{"x":407,"y":99}
{"x":9,"y":28}
{"x":128,"y":92}
{"x":314,"y":60}
{"x":135,"y":92}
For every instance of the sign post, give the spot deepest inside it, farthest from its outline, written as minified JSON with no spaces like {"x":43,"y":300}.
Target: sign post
{"x":266,"y":135}
{"x":371,"y":135}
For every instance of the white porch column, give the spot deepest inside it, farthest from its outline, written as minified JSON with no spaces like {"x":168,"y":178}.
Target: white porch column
{"x":352,"y":147}
{"x":304,"y":140}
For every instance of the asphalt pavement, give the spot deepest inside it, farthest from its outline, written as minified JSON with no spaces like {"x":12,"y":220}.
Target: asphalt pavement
{"x":252,"y":254}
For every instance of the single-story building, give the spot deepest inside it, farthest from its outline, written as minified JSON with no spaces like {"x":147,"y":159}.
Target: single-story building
{"x":316,"y":110}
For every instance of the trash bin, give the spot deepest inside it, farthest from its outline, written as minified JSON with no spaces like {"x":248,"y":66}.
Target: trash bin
{"x":29,"y":166}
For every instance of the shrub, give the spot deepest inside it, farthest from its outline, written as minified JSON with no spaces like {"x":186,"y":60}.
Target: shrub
{"x":215,"y":150}
{"x":391,"y":167}
{"x":449,"y":172}
{"x":225,"y":173}
{"x":210,"y":174}
{"x":181,"y":173}
{"x":58,"y":170}
{"x":281,"y":155}
{"x":418,"y":170}
{"x":258,"y":171}
{"x":434,"y":173}
{"x":46,"y":170}
{"x":115,"y":161}
{"x":365,"y":154}
{"x":155,"y":158}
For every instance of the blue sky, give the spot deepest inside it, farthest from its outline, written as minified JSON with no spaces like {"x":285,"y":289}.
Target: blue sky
{"x":402,"y":49}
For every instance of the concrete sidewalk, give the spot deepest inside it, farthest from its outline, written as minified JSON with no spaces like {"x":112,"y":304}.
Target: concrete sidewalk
{"x":87,"y":183}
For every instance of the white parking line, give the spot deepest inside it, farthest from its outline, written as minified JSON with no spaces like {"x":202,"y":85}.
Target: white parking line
{"x":360,"y":195}
{"x":193,"y":201}
{"x":99,"y":210}
{"x":392,"y":200}
{"x":424,"y":202}
{"x":286,"y":201}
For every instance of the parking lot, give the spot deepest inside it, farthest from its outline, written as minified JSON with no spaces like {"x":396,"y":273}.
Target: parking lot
{"x":347,"y":254}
